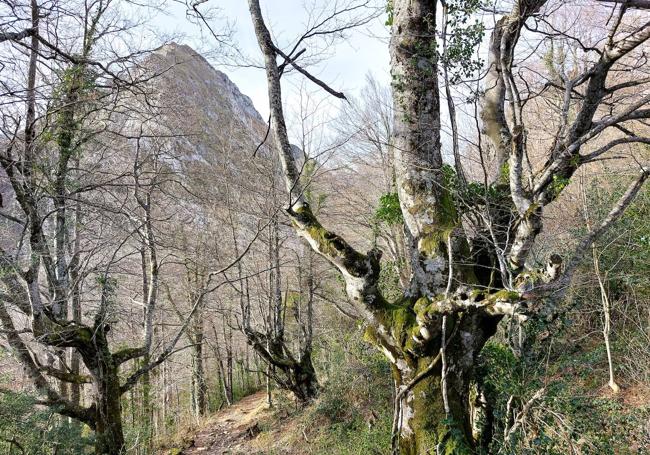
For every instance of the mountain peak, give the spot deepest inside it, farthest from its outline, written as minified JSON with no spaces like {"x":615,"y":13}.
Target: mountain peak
{"x":178,"y":50}
{"x":199,"y":82}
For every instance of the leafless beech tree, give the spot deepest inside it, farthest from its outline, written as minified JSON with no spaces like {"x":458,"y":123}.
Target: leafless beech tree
{"x":471,"y":244}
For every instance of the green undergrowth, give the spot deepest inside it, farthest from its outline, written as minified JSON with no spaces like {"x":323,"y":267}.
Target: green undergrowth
{"x":352,"y":414}
{"x":28,"y":429}
{"x":578,"y":412}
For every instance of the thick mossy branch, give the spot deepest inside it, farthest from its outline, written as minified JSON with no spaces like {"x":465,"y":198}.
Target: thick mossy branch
{"x":398,"y":318}
{"x":414,"y":324}
{"x":126,"y":354}
{"x":67,"y":376}
{"x":329,"y":244}
{"x":70,"y":335}
{"x":270,"y":350}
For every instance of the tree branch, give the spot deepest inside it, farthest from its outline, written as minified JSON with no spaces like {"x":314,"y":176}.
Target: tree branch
{"x":314,"y":79}
{"x":359,"y":271}
{"x":16,"y":36}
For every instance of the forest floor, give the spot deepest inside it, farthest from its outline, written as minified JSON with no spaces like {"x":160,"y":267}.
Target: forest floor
{"x":230,"y":430}
{"x":243,"y":428}
{"x":250,"y":427}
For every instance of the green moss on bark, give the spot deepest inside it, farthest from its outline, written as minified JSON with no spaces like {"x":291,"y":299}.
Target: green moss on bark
{"x":432,"y":431}
{"x":329,"y":243}
{"x":505,"y":295}
{"x":398,"y":318}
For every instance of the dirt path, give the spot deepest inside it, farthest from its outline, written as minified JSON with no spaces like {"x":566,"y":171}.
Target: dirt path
{"x":230,"y":428}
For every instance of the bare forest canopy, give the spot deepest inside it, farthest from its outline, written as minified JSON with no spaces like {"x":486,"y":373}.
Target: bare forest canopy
{"x":454,"y":263}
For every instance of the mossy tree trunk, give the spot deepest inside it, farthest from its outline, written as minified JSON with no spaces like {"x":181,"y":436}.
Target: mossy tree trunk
{"x":433,"y":415}
{"x":305,"y":385}
{"x":109,"y":435}
{"x":424,"y":425}
{"x":107,"y":390}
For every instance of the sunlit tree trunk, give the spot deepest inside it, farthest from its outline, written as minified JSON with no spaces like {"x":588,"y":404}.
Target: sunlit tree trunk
{"x":198,"y":378}
{"x":604,"y":297}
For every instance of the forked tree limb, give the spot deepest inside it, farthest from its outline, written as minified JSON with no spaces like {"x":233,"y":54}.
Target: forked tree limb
{"x":360,"y":271}
{"x":308,"y":75}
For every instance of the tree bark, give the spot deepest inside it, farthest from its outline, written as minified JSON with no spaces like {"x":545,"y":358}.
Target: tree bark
{"x":198,"y":377}
{"x":107,"y":392}
{"x":306,"y":384}
{"x":432,"y":415}
{"x":424,"y":426}
{"x":109,"y":435}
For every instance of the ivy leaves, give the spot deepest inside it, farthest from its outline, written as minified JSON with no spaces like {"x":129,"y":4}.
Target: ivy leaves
{"x":462,"y":34}
{"x":463,"y":37}
{"x":388,"y":210}
{"x":389,"y":11}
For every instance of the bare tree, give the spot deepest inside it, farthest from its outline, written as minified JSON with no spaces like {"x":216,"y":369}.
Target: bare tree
{"x":602,"y":279}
